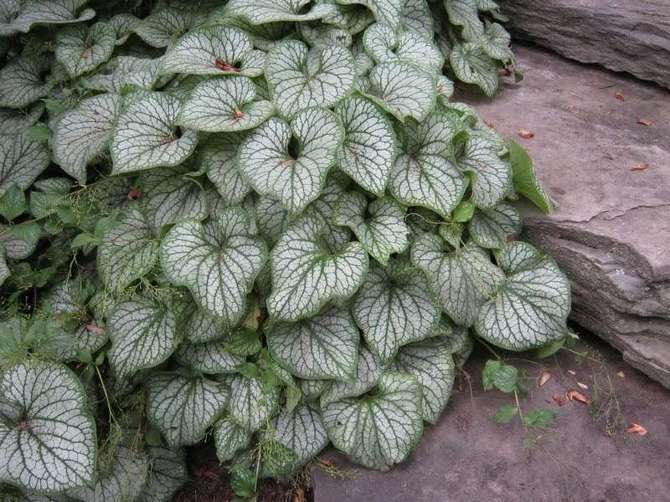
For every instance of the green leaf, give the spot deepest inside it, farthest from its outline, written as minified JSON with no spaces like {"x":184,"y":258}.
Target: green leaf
{"x":506,"y":378}
{"x":215,"y":50}
{"x":422,"y":175}
{"x":4,"y":269}
{"x":35,"y":12}
{"x":20,"y":241}
{"x":183,"y":408}
{"x":379,"y":225}
{"x":224,"y":105}
{"x":369,"y":145}
{"x":495,"y":43}
{"x":229,"y":438}
{"x":83,"y":134}
{"x":147,"y":136}
{"x":381,"y":430}
{"x":81,"y":49}
{"x":208,"y":357}
{"x":47,"y":434}
{"x":384,"y":11}
{"x":270,"y":11}
{"x":325,"y":346}
{"x":491,"y":228}
{"x":300,"y":78}
{"x":403,"y":90}
{"x":539,"y":418}
{"x":127,"y":252}
{"x":384,"y":44}
{"x":473,"y":66}
{"x":532,"y":307}
{"x":431,"y":363}
{"x":12,"y":203}
{"x":217,"y":261}
{"x":550,"y":349}
{"x":13,"y":120}
{"x":290,"y":162}
{"x":167,"y":473}
{"x":218,"y":158}
{"x":464,"y":13}
{"x":394,"y":307}
{"x":302,"y":432}
{"x":368,"y":372}
{"x":505,"y":414}
{"x":305,"y":276}
{"x":524,"y":179}
{"x":22,"y":82}
{"x":143,"y":335}
{"x":21,"y":161}
{"x":164,"y":26}
{"x":251,"y":405}
{"x":463,"y":279}
{"x":489,"y":372}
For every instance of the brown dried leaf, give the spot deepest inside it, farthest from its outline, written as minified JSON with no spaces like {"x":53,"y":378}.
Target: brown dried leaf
{"x":544,"y":378}
{"x":299,"y":495}
{"x":645,"y":122}
{"x":526,"y":134}
{"x":572,"y":372}
{"x":621,"y":374}
{"x":557,"y":399}
{"x":634,"y":428}
{"x":640,"y":167}
{"x":583,"y":385}
{"x":619,"y":95}
{"x":575,"y":395}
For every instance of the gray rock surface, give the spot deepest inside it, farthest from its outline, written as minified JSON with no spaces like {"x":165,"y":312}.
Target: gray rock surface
{"x":611,"y":233}
{"x":631,"y":36}
{"x":584,"y":457}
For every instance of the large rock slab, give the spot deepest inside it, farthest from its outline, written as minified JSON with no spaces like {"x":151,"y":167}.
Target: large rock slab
{"x":584,"y":457}
{"x":611,"y":232}
{"x":631,"y":36}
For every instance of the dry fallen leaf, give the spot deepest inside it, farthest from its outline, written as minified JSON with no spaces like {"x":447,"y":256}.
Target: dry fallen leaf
{"x":634,"y":428}
{"x":526,"y":134}
{"x":620,"y":374}
{"x":583,"y":385}
{"x":544,"y":378}
{"x":575,"y":395}
{"x":619,"y":95}
{"x":557,"y":399}
{"x":640,"y":167}
{"x":572,"y":372}
{"x":645,"y":122}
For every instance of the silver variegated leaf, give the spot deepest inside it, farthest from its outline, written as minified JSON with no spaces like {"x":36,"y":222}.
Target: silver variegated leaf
{"x":384,"y":11}
{"x":352,"y":18}
{"x":381,"y":430}
{"x":463,"y":279}
{"x":13,"y":120}
{"x":35,"y":12}
{"x":229,"y":438}
{"x":201,"y":327}
{"x":378,"y":225}
{"x":123,"y":24}
{"x":532,"y":306}
{"x":496,"y":41}
{"x":208,"y":357}
{"x":325,"y":346}
{"x":301,"y":78}
{"x":122,"y":71}
{"x":224,"y":105}
{"x":395,"y":307}
{"x":218,"y":158}
{"x":403,"y":90}
{"x":270,"y":11}
{"x":19,"y":241}
{"x":215,"y":50}
{"x":21,"y":161}
{"x":22,"y":82}
{"x":445,"y":89}
{"x":81,"y":49}
{"x":167,"y":473}
{"x":4,"y":269}
{"x":183,"y":408}
{"x":217,"y":261}
{"x":416,"y":16}
{"x":127,"y":252}
{"x":490,"y":228}
{"x":302,"y":432}
{"x":305,"y":276}
{"x":311,"y":390}
{"x":432,"y":364}
{"x":471,"y":65}
{"x":83,"y":134}
{"x":369,"y":145}
{"x":295,"y":178}
{"x":147,"y":136}
{"x":47,"y":434}
{"x":385,"y":45}
{"x":368,"y":372}
{"x":163,"y":27}
{"x":464,"y":13}
{"x":251,"y":406}
{"x":143,"y":334}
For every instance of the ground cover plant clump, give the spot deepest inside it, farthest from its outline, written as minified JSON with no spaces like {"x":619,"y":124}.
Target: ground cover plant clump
{"x":263,"y":221}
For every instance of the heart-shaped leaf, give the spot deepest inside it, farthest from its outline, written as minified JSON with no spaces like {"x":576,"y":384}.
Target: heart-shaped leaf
{"x":83,"y":134}
{"x":270,"y":11}
{"x":147,"y":136}
{"x":13,"y":120}
{"x":163,"y":27}
{"x":167,"y":473}
{"x":217,"y":261}
{"x":124,"y":25}
{"x":473,"y":66}
{"x":290,"y":162}
{"x":300,"y":78}
{"x":463,"y":279}
{"x":209,"y":357}
{"x":302,"y":432}
{"x":224,"y":105}
{"x":403,"y":90}
{"x":21,"y":161}
{"x":416,"y":16}
{"x":19,"y":241}
{"x":34,"y":12}
{"x":218,"y":158}
{"x":422,"y":174}
{"x":368,"y":372}
{"x":202,"y":327}
{"x":229,"y":438}
{"x":394,"y":308}
{"x":378,"y":431}
{"x":47,"y":434}
{"x":532,"y":306}
{"x":22,"y":82}
{"x":127,"y":252}
{"x":251,"y":406}
{"x":183,"y":408}
{"x":384,"y":11}
{"x":495,"y":43}
{"x":431,"y":363}
{"x":369,"y":145}
{"x":124,"y":71}
{"x":305,"y":276}
{"x":490,"y":228}
{"x":216,"y":50}
{"x":325,"y":346}
{"x":81,"y":49}
{"x":464,"y":13}
{"x":143,"y":334}
{"x":384,"y":44}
